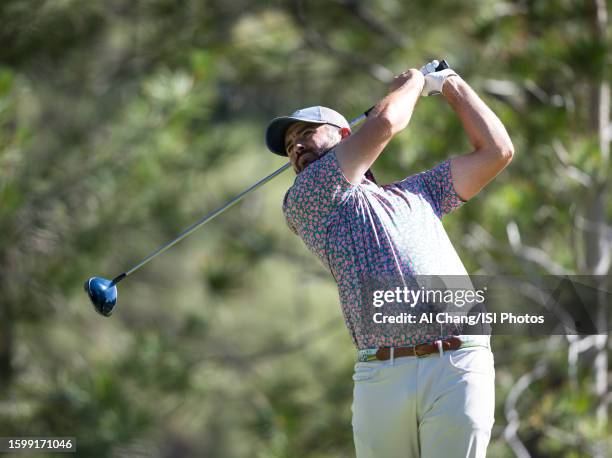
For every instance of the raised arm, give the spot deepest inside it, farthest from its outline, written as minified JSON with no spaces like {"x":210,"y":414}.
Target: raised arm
{"x":493,"y":149}
{"x":391,"y":115}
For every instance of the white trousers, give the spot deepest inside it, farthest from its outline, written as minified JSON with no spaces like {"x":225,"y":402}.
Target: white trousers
{"x":439,"y":406}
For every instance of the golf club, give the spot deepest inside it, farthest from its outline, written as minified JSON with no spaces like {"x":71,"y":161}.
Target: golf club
{"x":103,"y":292}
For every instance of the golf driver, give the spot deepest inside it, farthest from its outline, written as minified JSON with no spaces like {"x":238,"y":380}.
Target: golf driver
{"x":103,"y":292}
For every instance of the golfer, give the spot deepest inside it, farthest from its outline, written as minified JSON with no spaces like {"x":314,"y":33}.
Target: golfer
{"x":420,"y":390}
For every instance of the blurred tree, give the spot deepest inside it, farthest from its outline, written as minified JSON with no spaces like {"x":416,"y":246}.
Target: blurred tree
{"x":122,"y":122}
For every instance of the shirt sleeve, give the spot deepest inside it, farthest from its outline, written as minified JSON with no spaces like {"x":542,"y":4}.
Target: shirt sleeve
{"x":316,"y":193}
{"x":437,"y":186}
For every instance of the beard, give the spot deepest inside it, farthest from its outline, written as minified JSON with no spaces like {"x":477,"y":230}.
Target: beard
{"x":307,"y":158}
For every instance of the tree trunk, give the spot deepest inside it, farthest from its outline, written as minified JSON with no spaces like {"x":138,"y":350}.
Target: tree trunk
{"x":597,"y":242}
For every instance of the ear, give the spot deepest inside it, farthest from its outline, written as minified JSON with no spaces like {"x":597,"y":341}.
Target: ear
{"x":345,"y":132}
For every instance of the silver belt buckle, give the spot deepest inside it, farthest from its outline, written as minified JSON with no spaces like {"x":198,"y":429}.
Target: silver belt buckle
{"x":363,"y":356}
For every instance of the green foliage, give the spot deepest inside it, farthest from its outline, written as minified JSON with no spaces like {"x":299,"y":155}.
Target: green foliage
{"x":121,"y":123}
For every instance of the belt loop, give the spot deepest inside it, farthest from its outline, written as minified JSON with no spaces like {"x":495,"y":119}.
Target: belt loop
{"x":440,"y":348}
{"x":392,"y":353}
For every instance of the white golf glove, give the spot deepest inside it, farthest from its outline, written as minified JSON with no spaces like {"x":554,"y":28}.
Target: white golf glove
{"x":434,"y":80}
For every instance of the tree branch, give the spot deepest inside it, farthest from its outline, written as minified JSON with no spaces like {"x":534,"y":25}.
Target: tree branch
{"x":535,"y":255}
{"x":358,"y":9}
{"x":314,"y":38}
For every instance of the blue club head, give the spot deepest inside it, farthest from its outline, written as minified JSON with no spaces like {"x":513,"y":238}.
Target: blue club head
{"x":102,"y":293}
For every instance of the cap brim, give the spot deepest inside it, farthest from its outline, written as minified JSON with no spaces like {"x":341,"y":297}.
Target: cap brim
{"x":275,"y":133}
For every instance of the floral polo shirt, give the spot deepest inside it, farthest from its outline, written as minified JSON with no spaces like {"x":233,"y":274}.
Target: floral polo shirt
{"x":374,"y":238}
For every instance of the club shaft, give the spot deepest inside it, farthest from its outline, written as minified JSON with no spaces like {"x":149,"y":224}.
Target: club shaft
{"x":203,"y":221}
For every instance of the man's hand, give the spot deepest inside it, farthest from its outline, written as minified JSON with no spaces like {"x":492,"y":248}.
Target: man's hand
{"x":403,"y":78}
{"x":434,"y":80}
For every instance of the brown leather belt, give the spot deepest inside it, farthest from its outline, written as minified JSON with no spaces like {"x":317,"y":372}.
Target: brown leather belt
{"x":452,"y":343}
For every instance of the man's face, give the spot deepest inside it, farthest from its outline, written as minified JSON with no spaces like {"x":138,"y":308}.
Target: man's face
{"x":306,"y":142}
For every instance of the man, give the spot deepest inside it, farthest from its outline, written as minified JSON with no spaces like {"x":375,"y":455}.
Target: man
{"x":420,"y":390}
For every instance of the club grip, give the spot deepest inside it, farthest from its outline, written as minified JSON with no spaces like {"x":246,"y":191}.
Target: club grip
{"x":442,"y":65}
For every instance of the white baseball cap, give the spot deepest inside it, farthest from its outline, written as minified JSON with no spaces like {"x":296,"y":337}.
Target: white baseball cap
{"x":275,"y":133}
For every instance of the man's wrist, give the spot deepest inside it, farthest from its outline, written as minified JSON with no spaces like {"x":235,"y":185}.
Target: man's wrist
{"x":414,"y":84}
{"x":419,"y":80}
{"x":451,"y":85}
{"x":416,"y":79}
